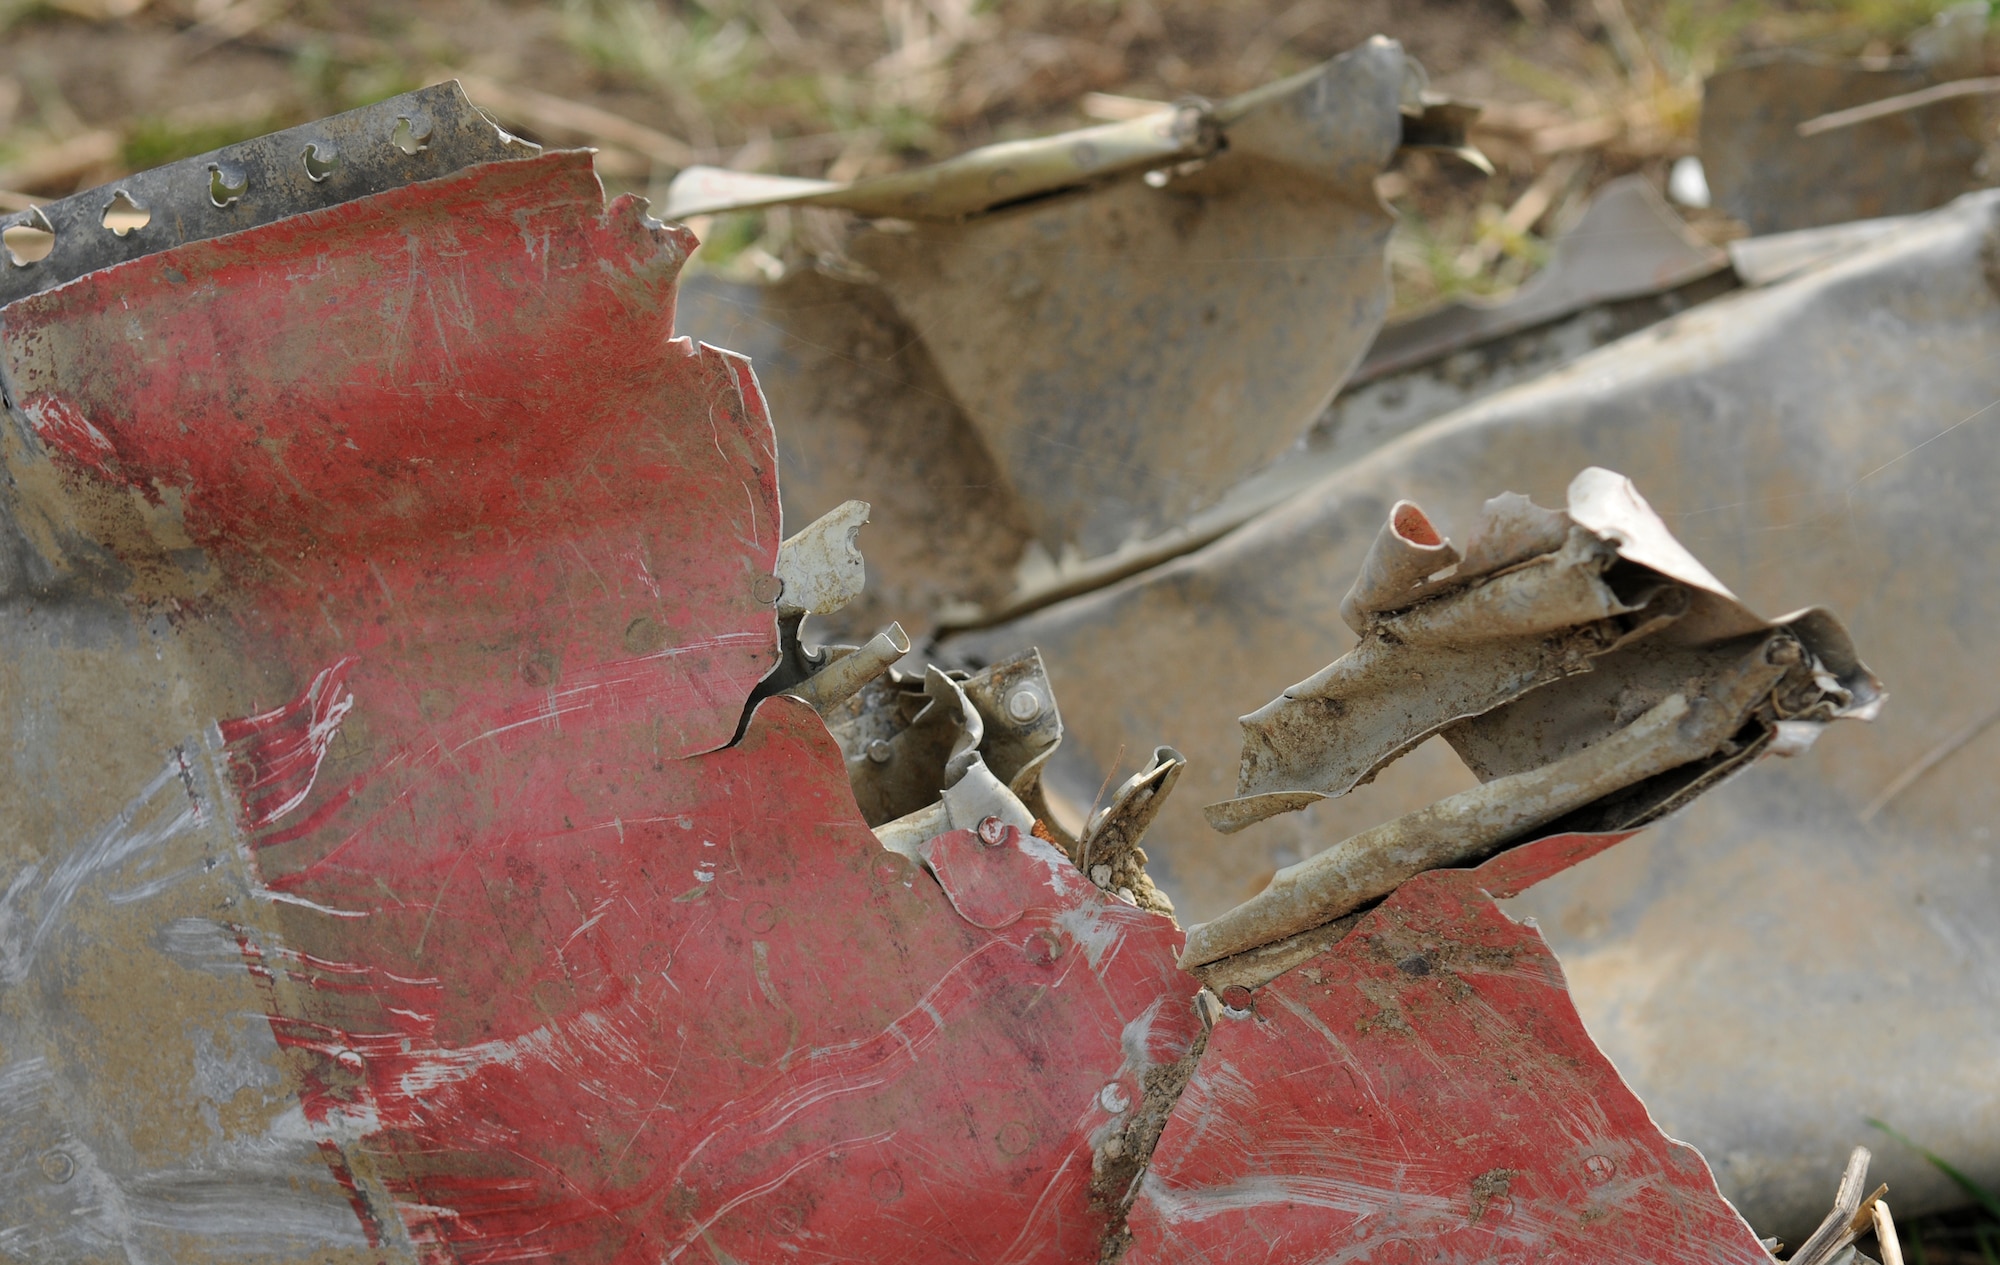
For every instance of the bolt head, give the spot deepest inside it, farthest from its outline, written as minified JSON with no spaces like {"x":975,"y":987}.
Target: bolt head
{"x":1024,"y":705}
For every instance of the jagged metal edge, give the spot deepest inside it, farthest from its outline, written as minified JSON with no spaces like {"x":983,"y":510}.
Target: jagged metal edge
{"x":455,"y":135}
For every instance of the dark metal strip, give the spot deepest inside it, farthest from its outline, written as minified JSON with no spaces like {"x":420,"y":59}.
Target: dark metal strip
{"x":420,"y":135}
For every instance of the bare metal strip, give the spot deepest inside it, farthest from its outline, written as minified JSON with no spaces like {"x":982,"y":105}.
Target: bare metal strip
{"x":418,"y":136}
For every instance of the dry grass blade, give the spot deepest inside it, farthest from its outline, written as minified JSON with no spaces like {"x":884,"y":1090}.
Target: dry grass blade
{"x":1837,"y":1230}
{"x":1627,"y":42}
{"x":1582,"y":134}
{"x":1864,"y":1216}
{"x":1929,"y":760}
{"x":227,"y":25}
{"x":1900,"y":104}
{"x":1885,"y":1234}
{"x":1527,"y":211}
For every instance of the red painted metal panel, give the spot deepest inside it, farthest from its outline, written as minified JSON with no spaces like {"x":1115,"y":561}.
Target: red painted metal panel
{"x":1424,"y":1091}
{"x":731,"y":1021}
{"x":561,"y":972}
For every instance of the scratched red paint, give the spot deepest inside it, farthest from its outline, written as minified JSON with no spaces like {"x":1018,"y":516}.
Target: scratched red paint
{"x":736,"y":1020}
{"x":1424,"y":1091}
{"x":563,"y":973}
{"x":284,"y":747}
{"x":567,"y":974}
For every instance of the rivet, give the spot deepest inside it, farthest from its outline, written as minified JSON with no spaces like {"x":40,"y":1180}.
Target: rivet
{"x":1237,"y":997}
{"x":1024,"y":705}
{"x":767,"y":589}
{"x":886,"y":1185}
{"x":1043,"y":947}
{"x":992,"y":831}
{"x":1113,"y":1098}
{"x":879,"y":751}
{"x":57,"y":1166}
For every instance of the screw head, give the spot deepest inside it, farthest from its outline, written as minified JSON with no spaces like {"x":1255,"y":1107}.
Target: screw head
{"x":992,"y":831}
{"x":1024,"y":705}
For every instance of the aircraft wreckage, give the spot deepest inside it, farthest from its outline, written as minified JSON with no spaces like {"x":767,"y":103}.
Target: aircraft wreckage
{"x":432,"y":834}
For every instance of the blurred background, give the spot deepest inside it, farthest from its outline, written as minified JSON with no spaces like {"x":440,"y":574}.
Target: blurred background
{"x":1577,"y":92}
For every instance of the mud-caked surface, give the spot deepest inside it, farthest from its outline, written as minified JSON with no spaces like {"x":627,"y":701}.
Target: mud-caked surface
{"x":1122,"y":1157}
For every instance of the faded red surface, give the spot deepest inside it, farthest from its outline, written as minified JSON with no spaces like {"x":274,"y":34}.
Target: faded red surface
{"x":562,"y":973}
{"x":1424,"y":1091}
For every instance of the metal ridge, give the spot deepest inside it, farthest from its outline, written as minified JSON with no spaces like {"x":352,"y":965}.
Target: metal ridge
{"x":417,"y":136}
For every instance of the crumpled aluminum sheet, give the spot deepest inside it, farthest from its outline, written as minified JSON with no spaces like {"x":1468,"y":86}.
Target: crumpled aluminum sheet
{"x":1798,"y":951}
{"x":867,"y":413}
{"x":1270,"y":241}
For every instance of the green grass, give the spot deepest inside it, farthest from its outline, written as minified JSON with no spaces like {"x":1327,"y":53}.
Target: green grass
{"x":1983,"y":1228}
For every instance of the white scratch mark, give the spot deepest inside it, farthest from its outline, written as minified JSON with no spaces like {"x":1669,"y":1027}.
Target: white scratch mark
{"x":143,"y":824}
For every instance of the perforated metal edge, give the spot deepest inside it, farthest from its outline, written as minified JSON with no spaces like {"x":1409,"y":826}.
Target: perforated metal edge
{"x":418,"y":136}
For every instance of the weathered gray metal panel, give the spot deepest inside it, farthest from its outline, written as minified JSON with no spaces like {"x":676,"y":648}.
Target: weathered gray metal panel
{"x":1830,"y":439}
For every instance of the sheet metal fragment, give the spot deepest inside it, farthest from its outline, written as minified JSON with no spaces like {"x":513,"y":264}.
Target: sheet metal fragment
{"x":536,"y":928}
{"x":1109,"y":850}
{"x":1823,"y":438}
{"x":1468,"y":650}
{"x":1173,"y":135}
{"x":1274,"y":234}
{"x":456,"y":772}
{"x":908,"y":738}
{"x":1765,"y":174}
{"x":1672,"y":733}
{"x":849,"y":668}
{"x":820,"y":569}
{"x":1551,"y":606}
{"x":1423,"y":1090}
